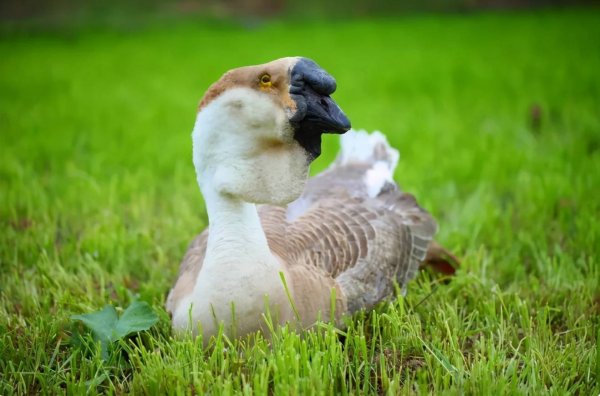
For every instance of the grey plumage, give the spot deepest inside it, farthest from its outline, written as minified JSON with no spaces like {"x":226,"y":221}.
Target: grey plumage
{"x":339,"y":237}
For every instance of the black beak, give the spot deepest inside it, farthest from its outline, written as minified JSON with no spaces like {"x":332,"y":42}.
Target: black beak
{"x":316,"y":112}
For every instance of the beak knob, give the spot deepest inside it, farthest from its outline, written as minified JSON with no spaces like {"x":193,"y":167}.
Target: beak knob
{"x":316,"y":112}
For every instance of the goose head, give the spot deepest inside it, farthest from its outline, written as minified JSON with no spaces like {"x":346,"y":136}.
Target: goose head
{"x":259,"y":127}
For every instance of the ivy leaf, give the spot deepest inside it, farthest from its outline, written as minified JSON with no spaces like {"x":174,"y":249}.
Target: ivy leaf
{"x":137,"y":317}
{"x":102,"y":323}
{"x":107,"y":327}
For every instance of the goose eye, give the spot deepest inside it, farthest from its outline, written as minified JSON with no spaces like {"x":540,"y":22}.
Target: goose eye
{"x":265,"y":81}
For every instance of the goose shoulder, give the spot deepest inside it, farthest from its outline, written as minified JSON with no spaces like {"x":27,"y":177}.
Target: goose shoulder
{"x":188,"y":271}
{"x":365,"y":244}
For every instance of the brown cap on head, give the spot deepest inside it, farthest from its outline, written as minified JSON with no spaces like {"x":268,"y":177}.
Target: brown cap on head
{"x":272,"y":78}
{"x":299,"y":86}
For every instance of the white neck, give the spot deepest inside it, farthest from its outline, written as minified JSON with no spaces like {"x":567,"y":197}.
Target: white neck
{"x":236,"y":237}
{"x":238,"y":271}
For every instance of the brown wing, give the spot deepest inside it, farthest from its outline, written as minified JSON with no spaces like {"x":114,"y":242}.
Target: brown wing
{"x":364,"y":244}
{"x":188,"y":271}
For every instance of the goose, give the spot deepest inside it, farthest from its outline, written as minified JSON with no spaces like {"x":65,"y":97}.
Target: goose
{"x":278,"y":242}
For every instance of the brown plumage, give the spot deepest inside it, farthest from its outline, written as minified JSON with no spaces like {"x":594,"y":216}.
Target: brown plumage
{"x":343,"y":239}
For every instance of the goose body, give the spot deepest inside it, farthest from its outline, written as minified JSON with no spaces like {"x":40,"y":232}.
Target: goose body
{"x":349,"y":232}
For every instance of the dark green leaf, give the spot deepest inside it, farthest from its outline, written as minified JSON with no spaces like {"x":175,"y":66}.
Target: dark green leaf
{"x":107,"y":327}
{"x":102,"y":323}
{"x":138,"y":316}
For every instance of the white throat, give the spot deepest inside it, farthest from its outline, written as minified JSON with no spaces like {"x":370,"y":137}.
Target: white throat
{"x":244,"y":145}
{"x":236,"y":235}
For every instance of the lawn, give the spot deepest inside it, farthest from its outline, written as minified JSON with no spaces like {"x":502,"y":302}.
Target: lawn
{"x":497,"y":118}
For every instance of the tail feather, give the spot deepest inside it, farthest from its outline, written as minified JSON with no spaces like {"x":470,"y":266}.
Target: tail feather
{"x":360,"y":147}
{"x":363,"y":147}
{"x":440,"y":259}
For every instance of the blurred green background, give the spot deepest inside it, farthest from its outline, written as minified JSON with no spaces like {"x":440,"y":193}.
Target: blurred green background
{"x":494,"y":106}
{"x":59,"y":13}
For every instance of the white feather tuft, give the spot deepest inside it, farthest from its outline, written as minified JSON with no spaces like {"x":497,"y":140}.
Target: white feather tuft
{"x":374,"y":149}
{"x":361,"y":146}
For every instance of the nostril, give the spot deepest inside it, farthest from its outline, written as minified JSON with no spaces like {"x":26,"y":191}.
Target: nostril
{"x":324,"y":104}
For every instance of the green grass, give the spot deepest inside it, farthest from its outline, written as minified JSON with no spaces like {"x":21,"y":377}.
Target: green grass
{"x":98,"y":201}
